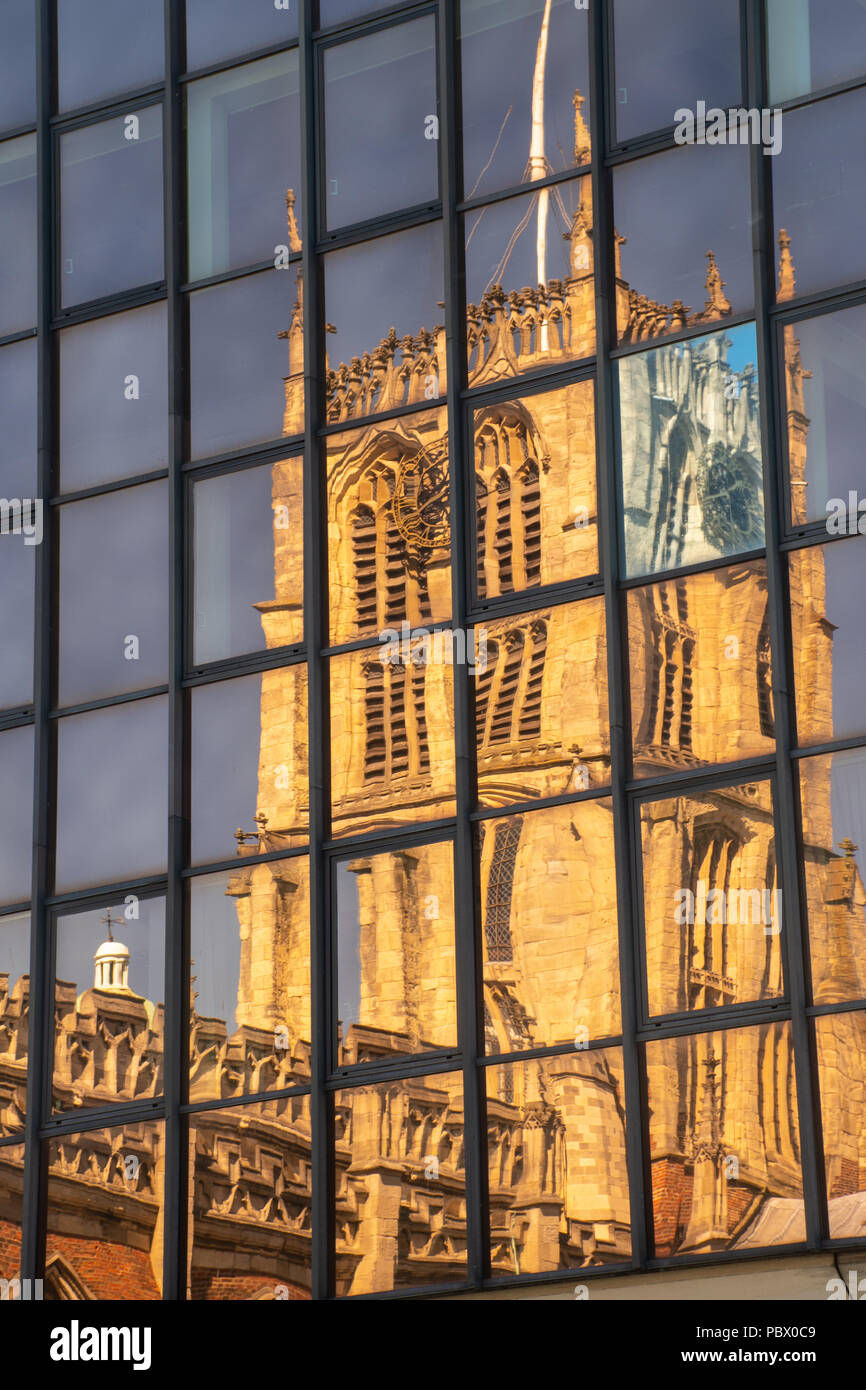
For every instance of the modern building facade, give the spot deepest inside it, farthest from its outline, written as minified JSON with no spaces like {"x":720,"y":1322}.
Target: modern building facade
{"x":432,"y":760}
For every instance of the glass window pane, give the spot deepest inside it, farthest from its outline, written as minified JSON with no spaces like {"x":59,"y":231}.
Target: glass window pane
{"x":700,"y":670}
{"x":250,"y":964}
{"x":106,"y":48}
{"x":105,"y":1212}
{"x":833,"y":805}
{"x":819,"y":196}
{"x":113,"y":398}
{"x":22,"y":521}
{"x":829,"y":629}
{"x":18,"y":64}
{"x":18,"y":411}
{"x":111,"y":206}
{"x":11,"y":1206}
{"x":109,"y":989}
{"x":694,"y":265}
{"x":243,"y":158}
{"x":17,"y":602}
{"x":535,"y":490}
{"x":339,"y":11}
{"x":841,"y":1040}
{"x":383,"y":303}
{"x":541,"y":712}
{"x":549,"y":927}
{"x":813,"y":44}
{"x":381,"y":155}
{"x":249,"y":765}
{"x":114,"y":586}
{"x":246,"y":387}
{"x":412,"y":1129}
{"x":112,"y":794}
{"x":230,"y":1256}
{"x":712,"y":907}
{"x":248,"y":560}
{"x":396,"y":982}
{"x":16,"y":814}
{"x":529,"y":282}
{"x":723,"y":1127}
{"x":392,"y":738}
{"x":14,"y":1031}
{"x":691,"y":477}
{"x":557,"y":1125}
{"x":389,"y":527}
{"x":17,"y":234}
{"x":672,"y":55}
{"x":504,"y":45}
{"x":218,"y":29}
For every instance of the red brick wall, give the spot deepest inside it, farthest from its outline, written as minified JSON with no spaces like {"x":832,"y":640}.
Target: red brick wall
{"x":109,"y":1271}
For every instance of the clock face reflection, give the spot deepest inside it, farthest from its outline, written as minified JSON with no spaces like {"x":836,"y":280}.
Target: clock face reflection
{"x":420,"y":501}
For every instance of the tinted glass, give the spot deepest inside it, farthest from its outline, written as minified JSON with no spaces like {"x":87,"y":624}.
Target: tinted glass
{"x":694,"y":265}
{"x":248,"y":558}
{"x":841,"y":1042}
{"x":337,"y":11}
{"x":16,"y":814}
{"x":113,"y":398}
{"x":18,"y":547}
{"x":17,"y":64}
{"x":18,"y":411}
{"x":814,"y":44}
{"x":504,"y":46}
{"x":112,"y":794}
{"x":819,"y":196}
{"x":246,"y":386}
{"x":111,"y":206}
{"x":671,"y":55}
{"x":833,"y":804}
{"x":218,"y":29}
{"x":14,"y":1025}
{"x":829,"y":628}
{"x":114,"y":584}
{"x":249,"y":765}
{"x":17,"y":234}
{"x":690,"y":452}
{"x":106,"y":48}
{"x":243,"y":157}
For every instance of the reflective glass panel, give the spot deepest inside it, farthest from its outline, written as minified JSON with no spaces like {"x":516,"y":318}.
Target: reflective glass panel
{"x":246,"y":386}
{"x":724,"y":1141}
{"x":700,"y":670}
{"x":825,"y":375}
{"x":535,"y":490}
{"x":389,"y":527}
{"x":113,"y":398}
{"x":411,"y":1230}
{"x":111,"y":230}
{"x":18,"y":411}
{"x":114,"y":584}
{"x":109,"y":989}
{"x":829,"y":630}
{"x":549,"y":927}
{"x":712,"y":905}
{"x":813,"y":44}
{"x":112,"y":792}
{"x":17,"y":234}
{"x":250,"y":968}
{"x":248,"y":556}
{"x":17,"y":596}
{"x":529,"y":281}
{"x":819,"y":196}
{"x":541,"y":713}
{"x":383,"y":302}
{"x":841,"y":1040}
{"x":249,"y":1222}
{"x":392,"y":736}
{"x":556,"y":1126}
{"x":18,"y":65}
{"x":691,"y":474}
{"x":18,"y":509}
{"x":11,"y":1206}
{"x":16,"y":814}
{"x":338,"y":11}
{"x":833,"y":809}
{"x":106,"y":1213}
{"x":243,"y":159}
{"x":508,"y":50}
{"x":249,"y":765}
{"x":106,"y":48}
{"x":396,"y":982}
{"x":694,"y":264}
{"x":218,"y":29}
{"x":671,"y":55}
{"x":381,"y":155}
{"x":14,"y":1028}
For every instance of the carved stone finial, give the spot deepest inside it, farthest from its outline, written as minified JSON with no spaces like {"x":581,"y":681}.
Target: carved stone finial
{"x":582,"y":144}
{"x":717,"y":303}
{"x":294,"y":234}
{"x":787,"y":277}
